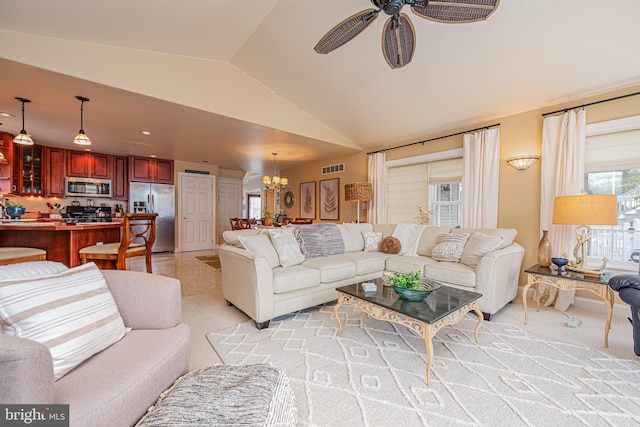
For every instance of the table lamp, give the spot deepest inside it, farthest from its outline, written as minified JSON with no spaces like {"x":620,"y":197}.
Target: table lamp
{"x":591,"y":209}
{"x":358,"y":192}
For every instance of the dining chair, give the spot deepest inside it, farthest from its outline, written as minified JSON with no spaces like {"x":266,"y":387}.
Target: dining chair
{"x":138,"y":236}
{"x":13,"y":255}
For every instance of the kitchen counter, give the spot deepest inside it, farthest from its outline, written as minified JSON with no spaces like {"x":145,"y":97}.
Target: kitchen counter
{"x":61,"y":241}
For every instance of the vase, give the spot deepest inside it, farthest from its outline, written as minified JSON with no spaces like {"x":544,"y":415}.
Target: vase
{"x":544,"y":250}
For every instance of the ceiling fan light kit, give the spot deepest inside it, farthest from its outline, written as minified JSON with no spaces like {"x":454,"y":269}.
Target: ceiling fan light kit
{"x":398,"y":36}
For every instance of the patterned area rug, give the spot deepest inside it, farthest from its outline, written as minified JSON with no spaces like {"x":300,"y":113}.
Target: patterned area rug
{"x":373,"y":374}
{"x":213,"y":261}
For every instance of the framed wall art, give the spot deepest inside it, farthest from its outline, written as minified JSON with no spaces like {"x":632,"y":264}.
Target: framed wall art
{"x":330,"y":199}
{"x":308,"y":200}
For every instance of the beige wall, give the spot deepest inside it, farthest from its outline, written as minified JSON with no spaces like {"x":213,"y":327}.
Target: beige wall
{"x":519,"y":194}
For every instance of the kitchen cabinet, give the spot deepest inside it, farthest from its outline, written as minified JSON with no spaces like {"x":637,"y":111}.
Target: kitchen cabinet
{"x":27,"y":172}
{"x":89,"y":165}
{"x":6,"y":151}
{"x":55,"y":165}
{"x":119,"y":182}
{"x":146,"y":169}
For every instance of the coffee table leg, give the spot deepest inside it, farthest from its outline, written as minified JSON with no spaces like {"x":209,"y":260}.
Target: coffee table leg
{"x":429,"y":345}
{"x":335,"y":311}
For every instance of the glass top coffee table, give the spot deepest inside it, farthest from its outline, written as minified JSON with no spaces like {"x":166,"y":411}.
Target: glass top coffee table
{"x":444,"y":306}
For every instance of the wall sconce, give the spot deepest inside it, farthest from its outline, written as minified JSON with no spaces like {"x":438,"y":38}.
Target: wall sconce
{"x":523,"y":162}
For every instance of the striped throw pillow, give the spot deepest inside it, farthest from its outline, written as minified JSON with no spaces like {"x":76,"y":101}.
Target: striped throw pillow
{"x":72,"y":313}
{"x":449,"y":247}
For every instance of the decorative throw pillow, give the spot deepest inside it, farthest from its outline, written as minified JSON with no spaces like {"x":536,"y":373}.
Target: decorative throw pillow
{"x":317,"y":240}
{"x":286,"y":246}
{"x":409,"y":236}
{"x":72,"y":313}
{"x":372,"y":241}
{"x":478,"y":245}
{"x":261,"y":246}
{"x":449,"y":247}
{"x":30,"y":269}
{"x":390,"y":245}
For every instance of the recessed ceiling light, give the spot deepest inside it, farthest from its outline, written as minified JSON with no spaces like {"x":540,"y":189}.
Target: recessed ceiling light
{"x":87,"y":149}
{"x":145,"y":132}
{"x":3,"y":114}
{"x":153,"y":156}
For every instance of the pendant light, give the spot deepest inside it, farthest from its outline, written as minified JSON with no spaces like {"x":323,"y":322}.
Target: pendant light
{"x":274,"y":183}
{"x":23,"y":137}
{"x":82,"y":138}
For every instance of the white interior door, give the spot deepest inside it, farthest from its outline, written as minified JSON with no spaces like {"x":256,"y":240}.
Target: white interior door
{"x":197,"y":212}
{"x":229,"y":203}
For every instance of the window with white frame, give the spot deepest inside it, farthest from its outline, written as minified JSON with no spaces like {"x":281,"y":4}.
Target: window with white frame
{"x":431,"y":185}
{"x":612,"y":166}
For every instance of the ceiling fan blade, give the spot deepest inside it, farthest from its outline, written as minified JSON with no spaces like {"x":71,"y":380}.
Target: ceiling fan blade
{"x":456,"y":11}
{"x":398,"y":41}
{"x":346,"y":30}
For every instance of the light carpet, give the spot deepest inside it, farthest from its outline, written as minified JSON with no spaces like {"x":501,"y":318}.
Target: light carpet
{"x":373,"y":374}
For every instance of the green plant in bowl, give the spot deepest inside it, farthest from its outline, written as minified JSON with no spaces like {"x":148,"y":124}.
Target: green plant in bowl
{"x":411,"y":286}
{"x":13,"y":204}
{"x":407,"y":281}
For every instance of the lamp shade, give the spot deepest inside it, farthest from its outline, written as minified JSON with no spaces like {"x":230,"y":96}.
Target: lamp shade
{"x":358,"y":191}
{"x":588,"y":209}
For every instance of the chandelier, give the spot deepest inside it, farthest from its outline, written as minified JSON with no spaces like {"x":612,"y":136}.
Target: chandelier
{"x":274,"y":183}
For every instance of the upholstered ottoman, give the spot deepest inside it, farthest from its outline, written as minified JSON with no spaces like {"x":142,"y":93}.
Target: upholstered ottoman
{"x":226,"y":395}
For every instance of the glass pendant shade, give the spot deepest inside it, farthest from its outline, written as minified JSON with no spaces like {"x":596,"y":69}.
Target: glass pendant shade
{"x":81,"y":138}
{"x":23,"y":137}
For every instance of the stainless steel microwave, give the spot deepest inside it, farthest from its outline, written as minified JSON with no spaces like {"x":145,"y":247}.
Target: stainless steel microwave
{"x":88,"y":187}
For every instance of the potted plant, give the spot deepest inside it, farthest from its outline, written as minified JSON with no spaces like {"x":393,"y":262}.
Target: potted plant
{"x":411,"y":286}
{"x":14,"y":209}
{"x":267,"y":219}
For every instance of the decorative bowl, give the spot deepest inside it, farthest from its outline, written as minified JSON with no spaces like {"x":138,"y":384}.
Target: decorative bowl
{"x":560,"y":263}
{"x":15,"y":213}
{"x":416,"y":295}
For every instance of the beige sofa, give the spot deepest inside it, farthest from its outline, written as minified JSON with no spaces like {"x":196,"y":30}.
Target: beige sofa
{"x":252,"y":283}
{"x":116,"y":386}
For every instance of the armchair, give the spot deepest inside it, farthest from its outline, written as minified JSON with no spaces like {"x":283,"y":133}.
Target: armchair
{"x":628,"y":287}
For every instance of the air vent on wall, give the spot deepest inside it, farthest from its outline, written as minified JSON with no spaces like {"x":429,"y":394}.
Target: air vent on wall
{"x":333,"y":169}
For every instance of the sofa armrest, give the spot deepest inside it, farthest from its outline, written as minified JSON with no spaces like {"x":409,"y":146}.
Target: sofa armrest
{"x":247,"y":282}
{"x":146,"y":301}
{"x":26,"y":371}
{"x":497,"y":276}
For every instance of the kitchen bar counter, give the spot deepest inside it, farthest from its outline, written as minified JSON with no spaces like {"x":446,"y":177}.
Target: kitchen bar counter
{"x":61,"y":241}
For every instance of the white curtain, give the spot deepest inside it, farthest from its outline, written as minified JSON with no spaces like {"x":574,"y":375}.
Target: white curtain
{"x":480,"y":178}
{"x":563,"y":159}
{"x":377,"y":213}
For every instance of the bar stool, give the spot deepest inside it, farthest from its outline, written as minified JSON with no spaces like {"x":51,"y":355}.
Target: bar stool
{"x":14,"y":255}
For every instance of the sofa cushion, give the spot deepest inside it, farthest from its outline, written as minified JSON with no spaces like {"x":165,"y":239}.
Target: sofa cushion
{"x":319,"y":240}
{"x":372,"y":241}
{"x":31,"y":269}
{"x":429,"y":238}
{"x":286,"y":246}
{"x":385,"y":229}
{"x":72,"y":313}
{"x":367,"y":262}
{"x":478,"y":245}
{"x":508,"y":234}
{"x":409,"y":235}
{"x":449,"y":247}
{"x":332,"y":268}
{"x":261,"y":246}
{"x":408,"y":264}
{"x":353,"y":235}
{"x":452,"y":273}
{"x":294,"y":278}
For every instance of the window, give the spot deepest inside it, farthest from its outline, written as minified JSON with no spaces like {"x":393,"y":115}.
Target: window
{"x":254,"y":204}
{"x":612,"y":166}
{"x":433,"y":185}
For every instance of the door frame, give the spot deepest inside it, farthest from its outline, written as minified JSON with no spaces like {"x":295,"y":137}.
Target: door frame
{"x":214,"y":199}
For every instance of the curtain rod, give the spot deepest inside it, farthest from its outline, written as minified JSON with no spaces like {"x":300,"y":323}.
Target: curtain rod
{"x":564,"y":110}
{"x":434,"y":139}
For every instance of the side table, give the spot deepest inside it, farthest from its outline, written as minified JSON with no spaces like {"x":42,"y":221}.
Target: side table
{"x":537,"y":275}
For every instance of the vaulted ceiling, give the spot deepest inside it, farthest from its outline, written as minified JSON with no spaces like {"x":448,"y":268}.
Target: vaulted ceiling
{"x":230,"y":82}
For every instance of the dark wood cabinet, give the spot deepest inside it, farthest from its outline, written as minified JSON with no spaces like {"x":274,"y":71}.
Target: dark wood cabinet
{"x":89,"y":165}
{"x":119,"y":181}
{"x":55,"y":167}
{"x":6,"y":156}
{"x":27,"y":171}
{"x":146,"y":169}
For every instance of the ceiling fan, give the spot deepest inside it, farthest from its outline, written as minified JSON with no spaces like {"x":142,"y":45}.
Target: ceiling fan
{"x":398,"y":35}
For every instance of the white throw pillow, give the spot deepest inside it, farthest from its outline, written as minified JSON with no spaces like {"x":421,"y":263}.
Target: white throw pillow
{"x":409,"y":235}
{"x":478,"y":245}
{"x":261,"y":245}
{"x":286,"y":246}
{"x":30,"y":269}
{"x":372,"y":241}
{"x":449,"y":247}
{"x":72,"y":313}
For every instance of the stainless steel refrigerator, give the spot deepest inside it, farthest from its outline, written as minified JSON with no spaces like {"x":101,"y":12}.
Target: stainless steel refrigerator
{"x":156,"y":198}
